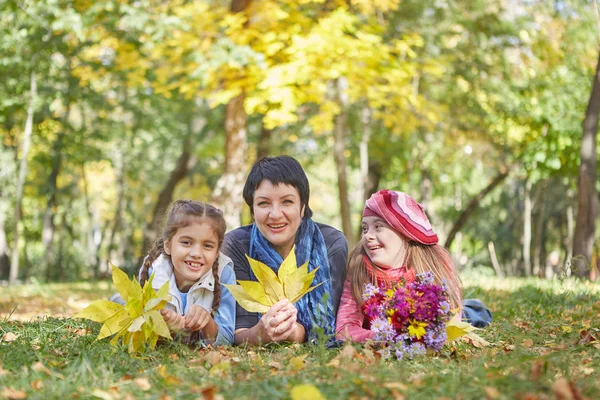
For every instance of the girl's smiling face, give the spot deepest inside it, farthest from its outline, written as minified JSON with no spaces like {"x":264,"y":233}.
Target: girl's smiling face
{"x":193,"y":250}
{"x":384,"y":246}
{"x":278,"y":214}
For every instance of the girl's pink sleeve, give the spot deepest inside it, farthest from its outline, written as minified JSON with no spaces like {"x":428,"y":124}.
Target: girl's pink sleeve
{"x":350,"y":318}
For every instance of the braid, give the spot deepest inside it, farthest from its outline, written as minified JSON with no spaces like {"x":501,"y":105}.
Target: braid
{"x":217,"y":292}
{"x":155,"y":252}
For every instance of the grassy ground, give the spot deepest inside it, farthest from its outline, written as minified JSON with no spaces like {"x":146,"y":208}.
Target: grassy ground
{"x":544,"y":344}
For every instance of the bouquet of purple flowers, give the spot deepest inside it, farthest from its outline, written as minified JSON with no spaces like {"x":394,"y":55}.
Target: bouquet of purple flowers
{"x":408,"y":318}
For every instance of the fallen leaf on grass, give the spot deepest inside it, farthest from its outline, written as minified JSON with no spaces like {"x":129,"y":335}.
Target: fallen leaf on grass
{"x":566,"y":390}
{"x":527,"y":343}
{"x":306,"y":392}
{"x":566,"y":328}
{"x":213,"y":357}
{"x":333,"y":363}
{"x":104,"y":395}
{"x":143,"y":383}
{"x":475,"y":340}
{"x":39,"y":367}
{"x":537,"y":368}
{"x":220,"y":369}
{"x":275,"y":365}
{"x":491,"y":392}
{"x":589,"y":336}
{"x":395,"y":385}
{"x":9,"y":337}
{"x":168,"y":379}
{"x":297,"y":363}
{"x":37,"y":384}
{"x":10,"y":393}
{"x":208,"y":392}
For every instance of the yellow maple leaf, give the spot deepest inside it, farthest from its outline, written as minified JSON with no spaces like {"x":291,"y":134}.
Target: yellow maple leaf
{"x":291,"y":282}
{"x":456,"y":329}
{"x":138,"y":321}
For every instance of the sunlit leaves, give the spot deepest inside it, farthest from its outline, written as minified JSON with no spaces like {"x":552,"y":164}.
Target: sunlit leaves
{"x":139,"y":321}
{"x":291,"y":282}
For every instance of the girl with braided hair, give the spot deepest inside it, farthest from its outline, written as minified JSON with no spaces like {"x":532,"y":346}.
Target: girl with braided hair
{"x":187,"y":254}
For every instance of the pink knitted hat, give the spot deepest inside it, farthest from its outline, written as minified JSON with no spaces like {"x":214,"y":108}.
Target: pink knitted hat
{"x":403,"y":214}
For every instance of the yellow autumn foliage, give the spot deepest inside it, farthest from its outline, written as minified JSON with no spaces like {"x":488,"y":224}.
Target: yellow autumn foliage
{"x":139,"y":321}
{"x":291,"y":282}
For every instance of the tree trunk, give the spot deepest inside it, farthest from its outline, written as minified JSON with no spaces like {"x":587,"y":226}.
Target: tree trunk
{"x":494,"y":259}
{"x":538,"y":243}
{"x":527,"y":228}
{"x":228,"y":190}
{"x":264,"y":143}
{"x":339,"y":148}
{"x":93,"y":235}
{"x":227,"y":194}
{"x":14,"y":265}
{"x":365,"y":171}
{"x":587,"y":195}
{"x":474,"y":203}
{"x":4,"y":249}
{"x":48,"y":225}
{"x":165,"y":197}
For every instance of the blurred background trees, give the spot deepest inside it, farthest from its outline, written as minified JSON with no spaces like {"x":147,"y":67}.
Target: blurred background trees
{"x":110,"y":110}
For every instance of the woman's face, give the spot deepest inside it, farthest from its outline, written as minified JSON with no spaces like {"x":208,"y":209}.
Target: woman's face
{"x":278,"y":214}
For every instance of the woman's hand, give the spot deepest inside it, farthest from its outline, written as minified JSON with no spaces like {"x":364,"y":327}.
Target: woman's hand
{"x":197,"y":318}
{"x":278,"y":323}
{"x":175,"y":322}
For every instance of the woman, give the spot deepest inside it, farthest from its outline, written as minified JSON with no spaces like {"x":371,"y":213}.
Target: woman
{"x":277,"y":193}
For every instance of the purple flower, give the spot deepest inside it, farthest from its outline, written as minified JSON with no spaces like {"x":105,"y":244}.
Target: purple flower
{"x":370,"y":291}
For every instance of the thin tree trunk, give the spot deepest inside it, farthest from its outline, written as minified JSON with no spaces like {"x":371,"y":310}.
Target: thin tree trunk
{"x":474,"y":203}
{"x":527,"y":228}
{"x":364,"y":184}
{"x":48,"y":224}
{"x":119,"y":163}
{"x":538,"y":243}
{"x":339,"y":148}
{"x":587,"y":195}
{"x":4,"y":249}
{"x":264,"y":143}
{"x":14,"y":265}
{"x":93,"y":236}
{"x":166,"y":196}
{"x":494,"y":259}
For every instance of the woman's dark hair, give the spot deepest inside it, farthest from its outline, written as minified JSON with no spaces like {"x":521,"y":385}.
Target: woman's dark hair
{"x":181,"y":214}
{"x":280,"y":169}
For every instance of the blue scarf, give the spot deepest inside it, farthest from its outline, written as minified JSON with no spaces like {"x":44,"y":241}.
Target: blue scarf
{"x":310,"y":245}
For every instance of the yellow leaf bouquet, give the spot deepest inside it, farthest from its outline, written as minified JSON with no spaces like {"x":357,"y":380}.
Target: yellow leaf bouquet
{"x":291,"y":282}
{"x":139,"y":321}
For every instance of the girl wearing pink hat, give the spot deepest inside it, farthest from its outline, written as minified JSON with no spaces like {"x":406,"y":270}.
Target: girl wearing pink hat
{"x":397,"y":242}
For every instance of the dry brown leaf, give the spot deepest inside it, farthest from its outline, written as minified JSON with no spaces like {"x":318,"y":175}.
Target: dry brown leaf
{"x":39,"y":367}
{"x":173,"y":357}
{"x":396,"y":395}
{"x":491,"y":392}
{"x":13,"y":394}
{"x":508,"y":347}
{"x":348,"y":351}
{"x":417,"y":379}
{"x":566,"y":390}
{"x":143,"y":383}
{"x":9,"y":337}
{"x":527,"y":343}
{"x":395,"y":385}
{"x":275,"y":365}
{"x":537,"y":369}
{"x":213,"y":357}
{"x":37,"y":384}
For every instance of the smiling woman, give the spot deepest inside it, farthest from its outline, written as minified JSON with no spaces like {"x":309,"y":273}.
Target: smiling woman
{"x":277,"y":192}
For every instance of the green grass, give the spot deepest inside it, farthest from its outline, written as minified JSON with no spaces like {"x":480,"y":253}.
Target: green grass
{"x":535,"y":340}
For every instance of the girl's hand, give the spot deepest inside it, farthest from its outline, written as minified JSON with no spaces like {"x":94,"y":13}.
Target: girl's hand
{"x":175,"y":322}
{"x":278,"y":323}
{"x":197,"y":318}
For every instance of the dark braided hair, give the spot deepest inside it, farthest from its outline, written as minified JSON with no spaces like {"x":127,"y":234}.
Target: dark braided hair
{"x":181,"y":214}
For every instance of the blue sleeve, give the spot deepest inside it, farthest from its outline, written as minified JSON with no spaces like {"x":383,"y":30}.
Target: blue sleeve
{"x":225,"y":317}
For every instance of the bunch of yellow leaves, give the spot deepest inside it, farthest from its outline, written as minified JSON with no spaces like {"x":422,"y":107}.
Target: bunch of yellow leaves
{"x":291,"y":282}
{"x":138,"y":321}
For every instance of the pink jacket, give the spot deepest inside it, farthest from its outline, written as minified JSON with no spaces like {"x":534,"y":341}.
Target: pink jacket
{"x":350,"y":319}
